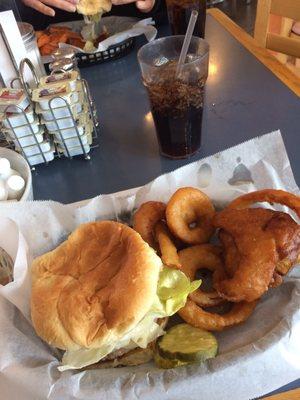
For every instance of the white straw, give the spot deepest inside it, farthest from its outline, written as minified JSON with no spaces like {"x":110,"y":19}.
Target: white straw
{"x":187,"y":41}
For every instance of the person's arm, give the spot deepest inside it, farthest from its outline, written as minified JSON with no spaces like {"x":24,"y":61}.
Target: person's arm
{"x":45,"y":6}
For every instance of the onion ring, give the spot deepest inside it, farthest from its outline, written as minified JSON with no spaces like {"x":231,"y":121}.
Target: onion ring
{"x":270,"y":196}
{"x":197,"y":317}
{"x":168,"y":250}
{"x":190,"y":206}
{"x":145,"y":219}
{"x":198,"y":257}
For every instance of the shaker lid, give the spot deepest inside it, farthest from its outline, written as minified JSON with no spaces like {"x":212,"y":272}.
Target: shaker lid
{"x":26,"y":30}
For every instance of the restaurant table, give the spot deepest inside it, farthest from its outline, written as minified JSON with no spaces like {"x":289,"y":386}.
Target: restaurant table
{"x":244,"y":99}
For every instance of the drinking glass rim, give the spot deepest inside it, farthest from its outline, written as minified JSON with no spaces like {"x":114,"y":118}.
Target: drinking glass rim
{"x":167,"y":38}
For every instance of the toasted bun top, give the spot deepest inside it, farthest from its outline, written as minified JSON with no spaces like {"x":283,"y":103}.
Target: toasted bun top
{"x":94,"y":287}
{"x":93,"y":7}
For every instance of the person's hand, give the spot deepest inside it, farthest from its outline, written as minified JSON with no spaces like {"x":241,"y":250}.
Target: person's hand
{"x":296,"y":28}
{"x":143,"y":5}
{"x":43,"y":5}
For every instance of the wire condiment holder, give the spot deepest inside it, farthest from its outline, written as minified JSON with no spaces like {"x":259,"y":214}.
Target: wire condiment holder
{"x":16,"y":137}
{"x":92,"y":121}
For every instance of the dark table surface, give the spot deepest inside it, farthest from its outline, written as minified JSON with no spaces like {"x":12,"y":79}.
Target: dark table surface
{"x":243,"y":100}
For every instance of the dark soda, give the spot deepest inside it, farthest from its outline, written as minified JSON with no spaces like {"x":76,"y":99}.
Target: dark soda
{"x":179,"y":136}
{"x":177,"y":108}
{"x":179,"y":13}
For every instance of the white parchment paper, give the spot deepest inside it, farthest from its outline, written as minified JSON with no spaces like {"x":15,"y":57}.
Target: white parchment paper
{"x":254,"y":358}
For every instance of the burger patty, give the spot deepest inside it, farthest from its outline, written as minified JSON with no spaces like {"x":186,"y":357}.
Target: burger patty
{"x":115,"y":354}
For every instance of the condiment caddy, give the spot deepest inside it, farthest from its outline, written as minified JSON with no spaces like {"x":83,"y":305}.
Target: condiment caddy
{"x":55,"y":118}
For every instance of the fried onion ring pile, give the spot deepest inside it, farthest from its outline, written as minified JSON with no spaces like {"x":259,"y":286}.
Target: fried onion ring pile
{"x":258,"y":247}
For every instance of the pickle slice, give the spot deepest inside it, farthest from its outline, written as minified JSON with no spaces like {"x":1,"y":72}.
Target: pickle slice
{"x":185,"y":343}
{"x":165,"y":363}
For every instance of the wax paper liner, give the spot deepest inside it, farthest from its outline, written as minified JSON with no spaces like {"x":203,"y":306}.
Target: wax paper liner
{"x":254,"y":358}
{"x":119,"y":29}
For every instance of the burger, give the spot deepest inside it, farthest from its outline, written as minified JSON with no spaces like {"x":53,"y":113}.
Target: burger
{"x":102,"y":296}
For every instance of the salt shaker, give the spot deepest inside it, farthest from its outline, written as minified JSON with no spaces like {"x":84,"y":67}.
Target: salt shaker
{"x":30,"y":42}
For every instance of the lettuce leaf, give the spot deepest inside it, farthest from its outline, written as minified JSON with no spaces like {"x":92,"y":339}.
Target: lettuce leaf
{"x":172,"y":290}
{"x":145,"y":332}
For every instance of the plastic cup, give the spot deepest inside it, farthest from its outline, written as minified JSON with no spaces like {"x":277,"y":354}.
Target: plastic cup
{"x":176,"y":101}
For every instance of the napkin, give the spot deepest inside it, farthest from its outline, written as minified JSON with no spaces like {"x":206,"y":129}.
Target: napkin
{"x":254,"y":358}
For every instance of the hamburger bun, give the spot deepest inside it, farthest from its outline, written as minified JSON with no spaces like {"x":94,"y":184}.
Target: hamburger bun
{"x":94,"y":287}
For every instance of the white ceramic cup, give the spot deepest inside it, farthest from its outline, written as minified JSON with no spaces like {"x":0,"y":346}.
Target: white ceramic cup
{"x":19,"y":164}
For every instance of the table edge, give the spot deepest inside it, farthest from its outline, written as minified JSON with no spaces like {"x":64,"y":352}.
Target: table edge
{"x":262,"y":54}
{"x":290,"y":395}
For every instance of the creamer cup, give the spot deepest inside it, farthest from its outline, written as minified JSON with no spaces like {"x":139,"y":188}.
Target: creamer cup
{"x":60,"y":112}
{"x":17,"y":119}
{"x":74,"y":151}
{"x":73,"y":141}
{"x":34,"y":149}
{"x":38,"y":158}
{"x":24,"y":130}
{"x":29,"y":140}
{"x":55,"y":96}
{"x":16,"y":99}
{"x":61,"y":77}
